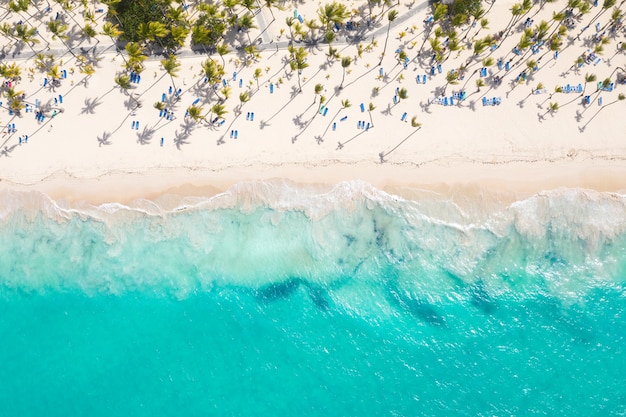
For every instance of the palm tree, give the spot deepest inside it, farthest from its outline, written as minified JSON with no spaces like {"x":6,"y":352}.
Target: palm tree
{"x":123,"y":81}
{"x":414,"y":122}
{"x":589,"y":78}
{"x":111,"y":30}
{"x":248,"y":4}
{"x":403,"y":93}
{"x":222,"y":49}
{"x":298,"y":62}
{"x":54,"y":73}
{"x":318,"y":90}
{"x":246,"y":22}
{"x":332,"y":54}
{"x":89,"y":31}
{"x":243,"y":99}
{"x":171,"y":65}
{"x":212,"y":71}
{"x":26,"y":34}
{"x":58,"y":29}
{"x":219,"y":110}
{"x":553,"y":107}
{"x":14,"y":98}
{"x":345,"y":63}
{"x":370,"y":109}
{"x":19,"y":5}
{"x":476,"y":14}
{"x":135,"y":56}
{"x":391,"y":16}
{"x":179,"y":34}
{"x":195,"y":112}
{"x":332,"y":14}
{"x":225,"y":92}
{"x":200,"y":35}
{"x":257,"y":74}
{"x":452,"y":77}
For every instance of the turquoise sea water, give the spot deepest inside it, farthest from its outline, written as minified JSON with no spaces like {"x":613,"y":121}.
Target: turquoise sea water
{"x":278,"y":300}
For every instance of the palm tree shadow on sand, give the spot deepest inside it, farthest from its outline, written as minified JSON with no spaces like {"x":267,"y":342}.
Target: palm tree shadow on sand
{"x":90,"y":105}
{"x":145,"y":136}
{"x":104,"y":139}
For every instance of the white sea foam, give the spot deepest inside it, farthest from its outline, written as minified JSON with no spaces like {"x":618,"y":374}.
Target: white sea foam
{"x":259,"y":233}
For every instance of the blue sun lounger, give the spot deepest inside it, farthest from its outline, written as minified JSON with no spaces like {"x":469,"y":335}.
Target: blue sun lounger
{"x":362,"y":108}
{"x":424,"y":79}
{"x":403,"y":118}
{"x":343,"y":119}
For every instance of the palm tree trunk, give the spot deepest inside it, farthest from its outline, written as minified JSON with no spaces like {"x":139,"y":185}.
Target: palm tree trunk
{"x":385,"y":47}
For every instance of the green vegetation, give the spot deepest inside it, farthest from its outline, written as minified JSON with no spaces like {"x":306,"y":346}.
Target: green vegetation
{"x":148,"y":22}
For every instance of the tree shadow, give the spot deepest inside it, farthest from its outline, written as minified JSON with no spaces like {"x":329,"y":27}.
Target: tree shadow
{"x":7,"y":150}
{"x":425,"y":107}
{"x":145,"y":136}
{"x":90,"y":105}
{"x":104,"y":139}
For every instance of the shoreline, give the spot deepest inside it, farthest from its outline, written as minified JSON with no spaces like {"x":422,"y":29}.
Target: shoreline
{"x":181,"y":182}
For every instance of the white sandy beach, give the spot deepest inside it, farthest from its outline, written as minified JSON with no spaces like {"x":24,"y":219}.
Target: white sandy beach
{"x":90,"y":152}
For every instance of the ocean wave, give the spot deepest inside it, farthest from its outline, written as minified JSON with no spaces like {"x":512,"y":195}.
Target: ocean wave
{"x":329,"y":239}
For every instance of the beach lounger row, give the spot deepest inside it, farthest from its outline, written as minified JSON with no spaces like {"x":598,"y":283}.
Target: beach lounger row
{"x":135,"y":125}
{"x":421,"y":80}
{"x":362,"y":125}
{"x":459,"y":95}
{"x":609,"y":87}
{"x":439,"y":69}
{"x":445,"y":101}
{"x":250,"y":116}
{"x":11,"y":128}
{"x":135,"y":78}
{"x":234,"y":134}
{"x":572,"y":88}
{"x":492,"y":102}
